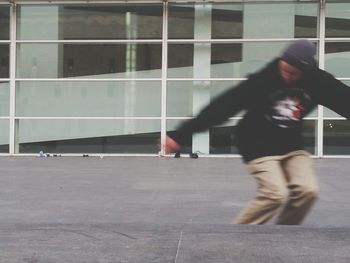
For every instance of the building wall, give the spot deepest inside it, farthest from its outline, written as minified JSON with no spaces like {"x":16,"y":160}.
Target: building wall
{"x":110,"y":78}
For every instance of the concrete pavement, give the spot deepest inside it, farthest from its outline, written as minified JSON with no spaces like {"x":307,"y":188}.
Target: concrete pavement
{"x":133,"y":209}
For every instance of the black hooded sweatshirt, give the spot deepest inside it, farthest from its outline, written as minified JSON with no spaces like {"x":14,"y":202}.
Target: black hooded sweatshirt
{"x":272,"y":124}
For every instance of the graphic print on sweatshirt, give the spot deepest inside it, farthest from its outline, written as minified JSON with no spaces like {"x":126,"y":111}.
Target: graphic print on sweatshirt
{"x":288,"y":107}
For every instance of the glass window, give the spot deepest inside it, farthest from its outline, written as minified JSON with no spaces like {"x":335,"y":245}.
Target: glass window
{"x":227,"y":21}
{"x":4,"y":61}
{"x":88,"y":136}
{"x":4,"y":99}
{"x":186,"y":98}
{"x":337,"y":20}
{"x":306,"y":20}
{"x":238,"y":20}
{"x":225,"y":58}
{"x":336,"y":137}
{"x":181,"y":21}
{"x":89,"y":60}
{"x":88,"y":99}
{"x":220,"y":60}
{"x":60,"y":22}
{"x":4,"y":22}
{"x":337,"y":58}
{"x":222,"y":138}
{"x":329,"y":113}
{"x":180,"y":60}
{"x":4,"y":136}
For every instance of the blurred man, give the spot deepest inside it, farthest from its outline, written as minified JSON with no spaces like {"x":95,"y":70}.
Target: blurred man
{"x":269,"y":136}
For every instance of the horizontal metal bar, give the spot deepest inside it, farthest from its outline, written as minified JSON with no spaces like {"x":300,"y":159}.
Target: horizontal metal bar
{"x":106,"y":155}
{"x":241,"y":1}
{"x":158,"y":41}
{"x":87,"y":41}
{"x":204,"y":79}
{"x":231,"y":118}
{"x":154,"y":1}
{"x":337,"y":39}
{"x":334,"y":119}
{"x":85,"y":118}
{"x":134,"y":79}
{"x":22,"y":2}
{"x":92,"y":80}
{"x":336,"y":156}
{"x":132,"y":118}
{"x":89,"y":154}
{"x":171,"y":41}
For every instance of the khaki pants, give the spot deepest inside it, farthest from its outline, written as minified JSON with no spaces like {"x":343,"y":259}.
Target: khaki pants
{"x":287,"y":180}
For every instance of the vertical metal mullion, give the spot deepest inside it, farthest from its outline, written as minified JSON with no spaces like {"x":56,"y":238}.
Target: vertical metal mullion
{"x":12,"y":77}
{"x":164,"y":76}
{"x":322,"y":29}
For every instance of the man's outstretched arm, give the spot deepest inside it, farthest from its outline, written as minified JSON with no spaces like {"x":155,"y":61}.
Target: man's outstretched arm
{"x":335,"y":95}
{"x":220,"y":109}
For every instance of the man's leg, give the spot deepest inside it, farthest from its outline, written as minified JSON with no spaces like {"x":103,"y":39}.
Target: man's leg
{"x":303,"y":188}
{"x":271,"y":192}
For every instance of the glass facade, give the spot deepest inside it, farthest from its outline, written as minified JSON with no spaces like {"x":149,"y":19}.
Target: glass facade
{"x":4,"y":22}
{"x":244,"y":20}
{"x":88,"y":60}
{"x":78,"y":78}
{"x":86,"y":21}
{"x":88,"y":136}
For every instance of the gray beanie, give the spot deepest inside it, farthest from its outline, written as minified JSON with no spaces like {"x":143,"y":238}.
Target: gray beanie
{"x":300,"y":54}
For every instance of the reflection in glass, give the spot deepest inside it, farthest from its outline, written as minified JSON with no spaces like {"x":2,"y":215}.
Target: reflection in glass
{"x":88,"y":99}
{"x":243,"y":20}
{"x":66,"y":22}
{"x":89,"y":60}
{"x":337,"y":58}
{"x":306,"y":21}
{"x":222,"y":138}
{"x":4,"y":99}
{"x":4,"y":61}
{"x":336,"y":137}
{"x":337,"y":20}
{"x":4,"y":23}
{"x":186,"y":98}
{"x":226,"y":60}
{"x":227,"y":21}
{"x":180,"y":60}
{"x":181,"y":21}
{"x":4,"y":136}
{"x":88,"y":136}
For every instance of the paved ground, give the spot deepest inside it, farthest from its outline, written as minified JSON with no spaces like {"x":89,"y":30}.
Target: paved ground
{"x":153,"y":210}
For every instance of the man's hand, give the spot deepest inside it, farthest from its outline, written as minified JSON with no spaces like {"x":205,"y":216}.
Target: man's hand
{"x":170,"y":145}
